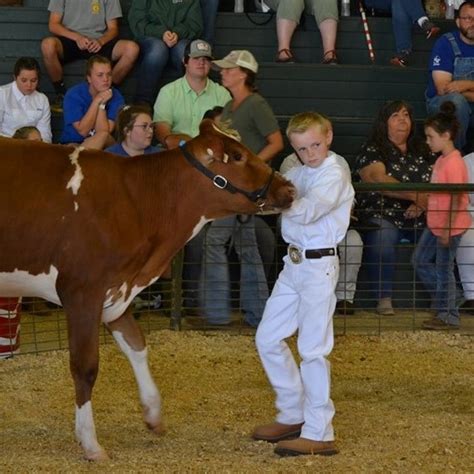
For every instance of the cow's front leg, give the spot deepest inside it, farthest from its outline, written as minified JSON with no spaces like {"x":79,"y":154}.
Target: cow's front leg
{"x":129,"y":337}
{"x":83,"y":330}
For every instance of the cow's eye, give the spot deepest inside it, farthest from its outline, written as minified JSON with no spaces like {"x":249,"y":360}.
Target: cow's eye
{"x":237,"y":156}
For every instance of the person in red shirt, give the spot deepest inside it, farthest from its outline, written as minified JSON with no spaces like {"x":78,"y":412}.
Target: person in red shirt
{"x":447,"y":220}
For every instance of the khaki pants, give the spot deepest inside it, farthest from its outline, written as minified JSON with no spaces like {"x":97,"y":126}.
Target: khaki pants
{"x":293,"y":9}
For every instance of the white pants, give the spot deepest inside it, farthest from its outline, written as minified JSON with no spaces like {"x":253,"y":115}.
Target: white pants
{"x":302,"y":300}
{"x":465,"y":261}
{"x":350,"y":260}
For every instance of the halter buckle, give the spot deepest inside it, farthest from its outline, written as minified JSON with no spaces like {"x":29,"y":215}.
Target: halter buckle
{"x":219,"y":181}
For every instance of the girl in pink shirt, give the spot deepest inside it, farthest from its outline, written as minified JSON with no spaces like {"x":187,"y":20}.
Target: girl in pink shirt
{"x":447,"y":220}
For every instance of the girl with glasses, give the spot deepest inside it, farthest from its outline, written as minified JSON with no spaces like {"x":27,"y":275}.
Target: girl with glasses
{"x":134,"y":132}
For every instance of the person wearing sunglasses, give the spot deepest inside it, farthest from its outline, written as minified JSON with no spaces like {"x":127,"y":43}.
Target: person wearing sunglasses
{"x":452,"y":73}
{"x":134,"y":132}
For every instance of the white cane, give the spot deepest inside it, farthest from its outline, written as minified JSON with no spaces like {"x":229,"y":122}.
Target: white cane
{"x":368,"y":38}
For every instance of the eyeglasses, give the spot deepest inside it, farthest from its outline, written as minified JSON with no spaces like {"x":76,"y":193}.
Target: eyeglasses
{"x":470,"y":19}
{"x":145,"y":126}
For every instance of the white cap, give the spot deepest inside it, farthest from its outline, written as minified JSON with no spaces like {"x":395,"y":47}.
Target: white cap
{"x":242,"y":58}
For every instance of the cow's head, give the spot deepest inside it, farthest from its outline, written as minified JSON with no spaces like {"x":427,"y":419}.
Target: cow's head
{"x":233,"y":168}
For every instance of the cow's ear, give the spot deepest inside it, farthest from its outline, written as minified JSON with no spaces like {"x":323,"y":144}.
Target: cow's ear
{"x":207,"y":126}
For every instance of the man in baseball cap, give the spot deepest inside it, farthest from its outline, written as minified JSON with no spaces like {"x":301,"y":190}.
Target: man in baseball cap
{"x":198,"y":49}
{"x":238,"y":58}
{"x":181,"y":104}
{"x":178,"y":111}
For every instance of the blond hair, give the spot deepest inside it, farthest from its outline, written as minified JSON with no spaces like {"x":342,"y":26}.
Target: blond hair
{"x":300,"y":123}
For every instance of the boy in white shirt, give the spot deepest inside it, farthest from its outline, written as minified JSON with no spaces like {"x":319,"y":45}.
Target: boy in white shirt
{"x":303,"y":298}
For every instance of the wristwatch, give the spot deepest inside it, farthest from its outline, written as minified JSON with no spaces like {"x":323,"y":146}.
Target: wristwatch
{"x":102,"y":106}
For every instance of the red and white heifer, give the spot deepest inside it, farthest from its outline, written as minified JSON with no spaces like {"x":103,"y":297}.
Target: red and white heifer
{"x":89,"y":230}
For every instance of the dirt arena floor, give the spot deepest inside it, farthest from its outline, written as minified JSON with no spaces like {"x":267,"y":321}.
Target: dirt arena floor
{"x":404,"y":403}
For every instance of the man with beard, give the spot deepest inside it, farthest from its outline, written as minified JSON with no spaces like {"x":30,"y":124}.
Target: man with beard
{"x":452,"y":72}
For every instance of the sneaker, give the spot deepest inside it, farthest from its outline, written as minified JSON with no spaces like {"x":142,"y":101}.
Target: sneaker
{"x":430,"y":30}
{"x":57,"y":104}
{"x":400,"y":60}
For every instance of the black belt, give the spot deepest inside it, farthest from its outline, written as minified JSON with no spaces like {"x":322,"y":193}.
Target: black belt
{"x":319,"y":253}
{"x":295,"y":253}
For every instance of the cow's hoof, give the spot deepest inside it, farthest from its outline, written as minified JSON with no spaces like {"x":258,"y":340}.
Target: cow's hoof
{"x":158,"y":428}
{"x":97,"y":456}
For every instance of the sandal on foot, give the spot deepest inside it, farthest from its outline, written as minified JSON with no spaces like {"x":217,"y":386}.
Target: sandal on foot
{"x":330,"y":57}
{"x":289,"y":56}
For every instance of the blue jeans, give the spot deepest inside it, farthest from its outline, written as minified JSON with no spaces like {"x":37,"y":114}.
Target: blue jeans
{"x":154,"y":56}
{"x":404,"y":14}
{"x":464,"y":113}
{"x":380,"y":254}
{"x":209,"y":13}
{"x":193,"y":254}
{"x":434,"y":264}
{"x":215,"y":284}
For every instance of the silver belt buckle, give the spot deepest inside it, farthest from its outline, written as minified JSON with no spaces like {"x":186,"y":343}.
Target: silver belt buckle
{"x":295,"y":254}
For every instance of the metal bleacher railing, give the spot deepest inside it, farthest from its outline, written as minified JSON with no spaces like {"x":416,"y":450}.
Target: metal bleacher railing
{"x":162,"y":306}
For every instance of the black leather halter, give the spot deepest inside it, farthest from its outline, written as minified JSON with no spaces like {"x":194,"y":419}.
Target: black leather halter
{"x":258,"y":196}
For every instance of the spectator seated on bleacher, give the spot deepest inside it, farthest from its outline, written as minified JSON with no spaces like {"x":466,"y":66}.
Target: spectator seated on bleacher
{"x":21,"y":104}
{"x":452,"y":72}
{"x":178,"y":111}
{"x":392,"y":154}
{"x":405,"y":14}
{"x":162,"y":29}
{"x":134,"y":132}
{"x":81,"y":30}
{"x":288,"y":17}
{"x":181,"y":104}
{"x":91,"y":107}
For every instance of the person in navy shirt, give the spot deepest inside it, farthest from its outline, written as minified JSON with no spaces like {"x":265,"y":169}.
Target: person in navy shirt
{"x":134,"y":132}
{"x":91,"y":107}
{"x":452,"y":72}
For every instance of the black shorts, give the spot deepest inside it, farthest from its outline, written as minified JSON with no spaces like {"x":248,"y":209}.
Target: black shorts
{"x":72,"y":52}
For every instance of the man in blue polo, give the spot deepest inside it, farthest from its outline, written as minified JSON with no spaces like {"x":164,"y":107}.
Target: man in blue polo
{"x":180,"y":105}
{"x":452,"y":71}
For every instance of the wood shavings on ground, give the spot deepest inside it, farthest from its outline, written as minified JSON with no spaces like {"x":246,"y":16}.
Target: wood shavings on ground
{"x":404,"y":403}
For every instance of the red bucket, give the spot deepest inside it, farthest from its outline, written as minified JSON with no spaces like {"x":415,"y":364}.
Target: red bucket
{"x":9,"y":327}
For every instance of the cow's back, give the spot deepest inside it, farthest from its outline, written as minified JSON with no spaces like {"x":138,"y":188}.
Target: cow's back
{"x":49,"y":195}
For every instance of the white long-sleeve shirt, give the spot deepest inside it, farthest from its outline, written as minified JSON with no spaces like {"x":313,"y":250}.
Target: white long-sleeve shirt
{"x":469,"y":160}
{"x":18,"y":110}
{"x":320,"y":214}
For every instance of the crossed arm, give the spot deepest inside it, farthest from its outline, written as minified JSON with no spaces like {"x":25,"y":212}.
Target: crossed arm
{"x":445,"y":84}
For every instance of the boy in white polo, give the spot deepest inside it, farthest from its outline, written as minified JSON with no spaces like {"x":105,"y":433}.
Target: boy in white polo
{"x":303,"y":298}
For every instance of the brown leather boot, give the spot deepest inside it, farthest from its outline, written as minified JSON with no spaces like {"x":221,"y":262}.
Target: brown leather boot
{"x":275,"y":432}
{"x":302,"y":446}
